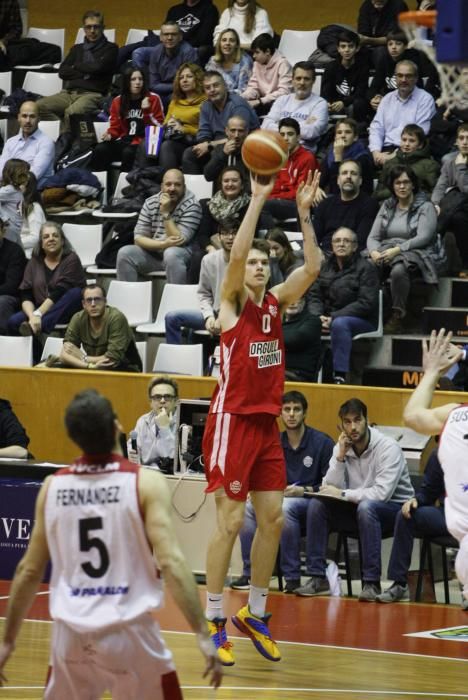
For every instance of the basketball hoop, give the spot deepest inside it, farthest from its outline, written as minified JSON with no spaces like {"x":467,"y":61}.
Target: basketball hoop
{"x":453,"y":76}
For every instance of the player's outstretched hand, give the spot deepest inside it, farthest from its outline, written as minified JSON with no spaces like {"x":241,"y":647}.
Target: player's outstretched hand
{"x":213,"y":667}
{"x":438,"y":352}
{"x":261,"y":185}
{"x":307,"y":190}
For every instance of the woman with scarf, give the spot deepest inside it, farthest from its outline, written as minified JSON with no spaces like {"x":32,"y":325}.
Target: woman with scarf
{"x":402,"y":241}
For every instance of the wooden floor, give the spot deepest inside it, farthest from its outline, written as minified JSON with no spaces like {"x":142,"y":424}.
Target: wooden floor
{"x":333,"y":649}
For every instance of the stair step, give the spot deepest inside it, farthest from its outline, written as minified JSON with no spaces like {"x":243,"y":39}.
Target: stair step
{"x":460,"y":292}
{"x":407,"y":349}
{"x":452,"y":319}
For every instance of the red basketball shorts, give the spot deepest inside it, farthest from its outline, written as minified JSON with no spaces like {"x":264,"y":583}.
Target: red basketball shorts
{"x":243,"y":453}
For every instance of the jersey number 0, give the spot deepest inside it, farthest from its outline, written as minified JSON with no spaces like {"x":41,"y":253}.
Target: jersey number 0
{"x":87,"y":542}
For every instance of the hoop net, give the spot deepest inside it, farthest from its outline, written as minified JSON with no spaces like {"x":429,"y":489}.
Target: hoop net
{"x":453,"y":76}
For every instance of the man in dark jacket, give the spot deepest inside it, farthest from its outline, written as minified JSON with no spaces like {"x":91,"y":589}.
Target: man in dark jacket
{"x":345,"y":298}
{"x":197,"y":20}
{"x":87,"y":73}
{"x":13,"y":439}
{"x":378,"y":17}
{"x":12,"y":264}
{"x":301,"y":332}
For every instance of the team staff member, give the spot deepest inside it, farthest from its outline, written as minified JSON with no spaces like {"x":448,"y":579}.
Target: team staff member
{"x":241,"y":445}
{"x":99,"y":521}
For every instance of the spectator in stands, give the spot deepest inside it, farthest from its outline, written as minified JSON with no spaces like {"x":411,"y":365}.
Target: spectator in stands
{"x":408,"y":104}
{"x":450,"y":195}
{"x":213,"y":266}
{"x":402,"y":241}
{"x":13,"y":184}
{"x":33,"y":216}
{"x":351,"y":208}
{"x":214,"y":114}
{"x":302,"y":344}
{"x":99,"y":337}
{"x":232,"y":62}
{"x":12,"y":264}
{"x":130,"y":112}
{"x":377,"y":18}
{"x":369,"y":470}
{"x":30,"y":144}
{"x":384,"y":80}
{"x":51,"y":286}
{"x":283,"y":259}
{"x":229,"y":204}
{"x":183,"y":115}
{"x":307,"y":108}
{"x":166,"y":58}
{"x":13,"y":438}
{"x":413,"y":151}
{"x":281,"y":203}
{"x":228,"y":154}
{"x":307,"y":452}
{"x":345,"y":80}
{"x":197,"y":20}
{"x":87,"y":73}
{"x":422,"y":515}
{"x":156,"y":430}
{"x":346,"y":146}
{"x":11,"y":29}
{"x":167,"y":223}
{"x":248,"y":18}
{"x":345,"y":298}
{"x":271,"y":75}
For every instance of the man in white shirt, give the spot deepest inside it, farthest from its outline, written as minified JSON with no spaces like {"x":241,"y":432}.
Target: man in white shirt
{"x":30,"y":144}
{"x":408,"y":104}
{"x":307,"y":108}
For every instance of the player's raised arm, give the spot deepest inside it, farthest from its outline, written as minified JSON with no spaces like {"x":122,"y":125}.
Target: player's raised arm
{"x":156,"y":503}
{"x":233,"y":283}
{"x":294,"y":287}
{"x":438,"y":356}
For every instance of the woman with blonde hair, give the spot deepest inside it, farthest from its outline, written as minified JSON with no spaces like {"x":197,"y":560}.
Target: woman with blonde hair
{"x":183,"y":114}
{"x":248,"y":18}
{"x":234,"y":64}
{"x":15,"y":177}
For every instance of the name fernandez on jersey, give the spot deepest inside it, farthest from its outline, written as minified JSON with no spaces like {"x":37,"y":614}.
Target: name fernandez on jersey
{"x":267,"y":352}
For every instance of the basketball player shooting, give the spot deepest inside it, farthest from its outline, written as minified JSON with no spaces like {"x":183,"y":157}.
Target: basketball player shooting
{"x":241,"y":445}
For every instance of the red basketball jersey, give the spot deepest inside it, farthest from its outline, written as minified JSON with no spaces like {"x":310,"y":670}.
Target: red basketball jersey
{"x":252,"y":362}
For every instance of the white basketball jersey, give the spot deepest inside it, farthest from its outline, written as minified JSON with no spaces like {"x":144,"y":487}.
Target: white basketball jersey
{"x":103,"y":568}
{"x":453,"y":456}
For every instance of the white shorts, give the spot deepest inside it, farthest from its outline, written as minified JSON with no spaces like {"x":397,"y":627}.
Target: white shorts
{"x":129,"y":660}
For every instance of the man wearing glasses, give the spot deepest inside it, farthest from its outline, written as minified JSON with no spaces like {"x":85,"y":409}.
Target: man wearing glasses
{"x":103,"y":333}
{"x":87,"y":74}
{"x":156,"y":430}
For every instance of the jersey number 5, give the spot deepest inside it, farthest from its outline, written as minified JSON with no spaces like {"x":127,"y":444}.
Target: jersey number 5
{"x":87,"y":543}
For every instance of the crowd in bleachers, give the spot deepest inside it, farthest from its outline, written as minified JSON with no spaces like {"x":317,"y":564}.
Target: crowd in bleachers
{"x":170,"y":112}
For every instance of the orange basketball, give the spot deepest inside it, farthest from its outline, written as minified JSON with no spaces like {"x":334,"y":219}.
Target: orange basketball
{"x":264,"y":152}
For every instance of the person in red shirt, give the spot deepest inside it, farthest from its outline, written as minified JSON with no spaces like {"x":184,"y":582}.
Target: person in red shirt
{"x":241,"y":445}
{"x":281,"y":204}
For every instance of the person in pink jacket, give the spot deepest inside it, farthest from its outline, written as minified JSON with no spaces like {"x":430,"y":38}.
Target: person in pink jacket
{"x":271,"y":75}
{"x":130,"y":113}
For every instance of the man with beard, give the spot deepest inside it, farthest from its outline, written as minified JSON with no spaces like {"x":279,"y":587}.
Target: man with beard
{"x":350,"y":208}
{"x":369,"y":470}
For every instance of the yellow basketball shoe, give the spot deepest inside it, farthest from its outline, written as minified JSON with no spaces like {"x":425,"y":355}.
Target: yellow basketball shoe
{"x":257,"y":629}
{"x":217,"y":631}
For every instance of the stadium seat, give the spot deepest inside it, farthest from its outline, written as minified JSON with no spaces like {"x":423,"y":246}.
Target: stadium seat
{"x":201,"y":188}
{"x":52,"y":128}
{"x":297,"y":45}
{"x":174,"y":297}
{"x":49,"y":36}
{"x":85,"y":239}
{"x":16,"y":351}
{"x":179,"y":359}
{"x":44,"y":84}
{"x":134,"y":299}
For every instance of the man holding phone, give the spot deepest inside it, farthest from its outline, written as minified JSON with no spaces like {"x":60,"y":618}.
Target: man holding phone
{"x":367,"y":469}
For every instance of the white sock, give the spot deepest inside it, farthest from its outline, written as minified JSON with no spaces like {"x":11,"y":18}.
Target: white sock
{"x":257,"y":600}
{"x":214,"y":605}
